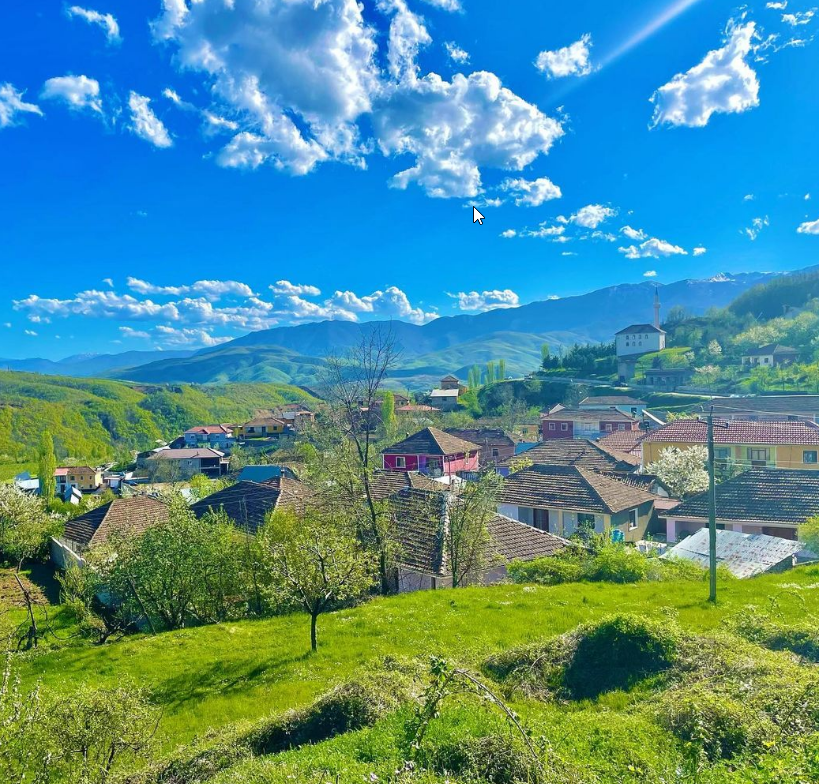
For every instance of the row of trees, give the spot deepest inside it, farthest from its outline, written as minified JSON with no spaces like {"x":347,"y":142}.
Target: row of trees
{"x":492,"y":372}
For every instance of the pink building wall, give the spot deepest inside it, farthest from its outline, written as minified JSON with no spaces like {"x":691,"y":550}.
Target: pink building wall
{"x":450,"y":464}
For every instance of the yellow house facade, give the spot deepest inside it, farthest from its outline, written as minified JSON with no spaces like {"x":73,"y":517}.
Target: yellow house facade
{"x":260,"y":428}
{"x":82,"y":477}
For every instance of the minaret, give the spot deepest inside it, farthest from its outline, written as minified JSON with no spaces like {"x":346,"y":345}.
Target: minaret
{"x":657,"y":307}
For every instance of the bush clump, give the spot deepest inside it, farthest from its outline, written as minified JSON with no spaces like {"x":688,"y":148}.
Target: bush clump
{"x":614,"y":653}
{"x":762,"y":629}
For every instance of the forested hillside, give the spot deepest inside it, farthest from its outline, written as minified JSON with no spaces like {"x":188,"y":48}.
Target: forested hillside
{"x":94,"y":420}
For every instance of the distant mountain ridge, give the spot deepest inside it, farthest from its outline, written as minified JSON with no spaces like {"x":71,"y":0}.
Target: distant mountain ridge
{"x":450,"y":343}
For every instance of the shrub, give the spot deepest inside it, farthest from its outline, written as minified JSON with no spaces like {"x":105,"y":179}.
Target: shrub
{"x":617,"y":652}
{"x":800,"y":639}
{"x":496,"y":759}
{"x":552,"y":570}
{"x":713,"y":724}
{"x":616,"y":563}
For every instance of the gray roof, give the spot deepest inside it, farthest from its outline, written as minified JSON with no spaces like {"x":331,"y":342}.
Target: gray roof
{"x":744,"y":555}
{"x":769,"y":349}
{"x":612,"y":400}
{"x":431,"y":441}
{"x":636,"y":329}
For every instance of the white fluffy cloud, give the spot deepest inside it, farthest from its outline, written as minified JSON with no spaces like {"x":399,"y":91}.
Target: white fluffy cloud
{"x":572,"y":60}
{"x":187,"y":336}
{"x":455,"y":53}
{"x":12,"y":104}
{"x":445,"y":5}
{"x":650,"y":274}
{"x":634,"y":234}
{"x":509,"y":233}
{"x":532,"y":193}
{"x":590,"y":216}
{"x":145,"y":124}
{"x":757,"y":224}
{"x":210,"y":289}
{"x":106,"y":21}
{"x":809,"y":227}
{"x":454,"y":128}
{"x":407,"y":37}
{"x":486,"y":300}
{"x":79,"y":92}
{"x":799,"y":18}
{"x":130,"y":332}
{"x":700,"y":251}
{"x":296,"y":289}
{"x":392,"y":302}
{"x":778,"y":6}
{"x":724,"y":82}
{"x":652,"y":248}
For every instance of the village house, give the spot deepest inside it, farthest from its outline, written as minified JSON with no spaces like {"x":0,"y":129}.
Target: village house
{"x":295,"y":415}
{"x":261,"y":427}
{"x":637,"y":340}
{"x":184,"y":463}
{"x":82,"y":478}
{"x":446,"y":396}
{"x":667,"y":379}
{"x":564,"y":500}
{"x":495,"y":445}
{"x":742,"y":443}
{"x":770,"y":355}
{"x":625,"y":404}
{"x":576,"y":452}
{"x":744,"y":555}
{"x":565,"y":423}
{"x":432,"y":451}
{"x":760,"y":501}
{"x":626,"y":445}
{"x":247,"y":504}
{"x":217,"y":436}
{"x":421,"y":524}
{"x":450,"y":382}
{"x":120,"y":517}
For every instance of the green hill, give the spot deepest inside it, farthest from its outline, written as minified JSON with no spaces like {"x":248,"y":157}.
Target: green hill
{"x":695,"y":702}
{"x":94,"y":420}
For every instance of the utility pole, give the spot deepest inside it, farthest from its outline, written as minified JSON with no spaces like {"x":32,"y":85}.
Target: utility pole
{"x":712,"y":513}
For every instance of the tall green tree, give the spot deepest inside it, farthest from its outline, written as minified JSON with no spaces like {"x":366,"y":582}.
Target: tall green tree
{"x":502,"y":370}
{"x":490,"y":371}
{"x":544,"y":352}
{"x":315,"y":561}
{"x":388,"y":411}
{"x":47,"y":468}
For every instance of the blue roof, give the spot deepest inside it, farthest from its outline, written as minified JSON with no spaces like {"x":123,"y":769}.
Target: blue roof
{"x":259,"y":473}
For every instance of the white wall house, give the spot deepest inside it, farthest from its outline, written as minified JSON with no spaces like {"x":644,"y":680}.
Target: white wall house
{"x":639,"y":339}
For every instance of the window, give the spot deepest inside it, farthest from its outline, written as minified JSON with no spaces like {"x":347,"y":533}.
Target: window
{"x":621,"y":427}
{"x":585,"y":521}
{"x":608,"y":426}
{"x":400,"y":462}
{"x":551,"y":425}
{"x":564,"y":426}
{"x":632,"y":519}
{"x":722,"y":453}
{"x":495,"y":453}
{"x":758,"y":455}
{"x":809,"y":456}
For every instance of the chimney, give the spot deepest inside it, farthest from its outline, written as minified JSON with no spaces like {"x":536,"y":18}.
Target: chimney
{"x":657,"y":307}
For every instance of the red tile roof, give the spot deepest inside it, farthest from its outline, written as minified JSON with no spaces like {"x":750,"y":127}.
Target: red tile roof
{"x":694,"y":431}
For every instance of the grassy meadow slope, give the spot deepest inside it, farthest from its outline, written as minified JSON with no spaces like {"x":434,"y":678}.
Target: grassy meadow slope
{"x":208,"y":678}
{"x":94,"y":420}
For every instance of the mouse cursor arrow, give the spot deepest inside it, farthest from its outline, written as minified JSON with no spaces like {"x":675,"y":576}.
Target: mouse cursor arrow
{"x":477,"y":217}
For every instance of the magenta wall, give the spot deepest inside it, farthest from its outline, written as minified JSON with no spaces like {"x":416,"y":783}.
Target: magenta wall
{"x":450,"y":464}
{"x":551,"y":435}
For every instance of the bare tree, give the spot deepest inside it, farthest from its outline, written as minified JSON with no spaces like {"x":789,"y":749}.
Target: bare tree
{"x":351,"y":384}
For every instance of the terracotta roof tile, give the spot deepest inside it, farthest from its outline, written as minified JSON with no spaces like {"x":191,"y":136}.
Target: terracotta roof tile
{"x":573,"y":452}
{"x":737,"y":432}
{"x":120,"y":516}
{"x":431,"y":441}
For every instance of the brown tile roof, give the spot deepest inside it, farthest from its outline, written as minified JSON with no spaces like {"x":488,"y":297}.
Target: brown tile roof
{"x":387,"y":483}
{"x":122,"y":515}
{"x":248,"y":503}
{"x":483,"y":436}
{"x":412,"y":407}
{"x":761,"y":496}
{"x":737,"y":432}
{"x":431,"y":441}
{"x":207,"y":429}
{"x":541,"y":487}
{"x":624,"y":445}
{"x":264,"y":421}
{"x":420,"y":519}
{"x":573,"y":452}
{"x":186,"y":454}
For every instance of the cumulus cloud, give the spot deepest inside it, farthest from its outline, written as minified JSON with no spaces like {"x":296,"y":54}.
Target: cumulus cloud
{"x":392,"y":302}
{"x":532,"y":193}
{"x":699,"y":251}
{"x":79,"y":92}
{"x":809,"y":227}
{"x":652,"y":248}
{"x":187,"y":336}
{"x":12,"y":104}
{"x":407,"y":37}
{"x":105,"y":21}
{"x":454,"y":128}
{"x":456,"y":54}
{"x":486,"y":300}
{"x":145,"y":124}
{"x":799,"y":18}
{"x":778,"y":6}
{"x":546,"y":230}
{"x":572,"y":60}
{"x":297,"y":289}
{"x":509,"y":233}
{"x":130,"y":332}
{"x":590,"y":216}
{"x":634,"y":234}
{"x":650,"y":274}
{"x":723,"y":82}
{"x":757,"y":224}
{"x":445,"y":5}
{"x":210,"y":289}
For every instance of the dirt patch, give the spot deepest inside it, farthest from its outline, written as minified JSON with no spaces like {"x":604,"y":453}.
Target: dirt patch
{"x":10,"y":596}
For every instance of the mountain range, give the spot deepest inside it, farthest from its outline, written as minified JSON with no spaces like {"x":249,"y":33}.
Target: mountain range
{"x":450,"y":344}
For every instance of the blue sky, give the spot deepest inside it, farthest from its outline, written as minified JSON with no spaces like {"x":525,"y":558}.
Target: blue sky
{"x":175,"y":175}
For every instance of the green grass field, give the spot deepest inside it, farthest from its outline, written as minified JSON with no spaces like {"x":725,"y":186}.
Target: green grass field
{"x":210,"y":677}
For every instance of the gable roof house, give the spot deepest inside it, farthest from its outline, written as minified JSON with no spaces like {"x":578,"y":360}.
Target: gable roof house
{"x":495,"y":445}
{"x":770,"y":355}
{"x":421,"y":520}
{"x":261,"y":427}
{"x":122,"y":516}
{"x":247,"y":504}
{"x":219,"y":436}
{"x":576,"y":452}
{"x":431,"y":451}
{"x":184,"y":463}
{"x":760,"y":501}
{"x":565,"y":423}
{"x":625,"y":404}
{"x":565,"y":499}
{"x":744,"y":443}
